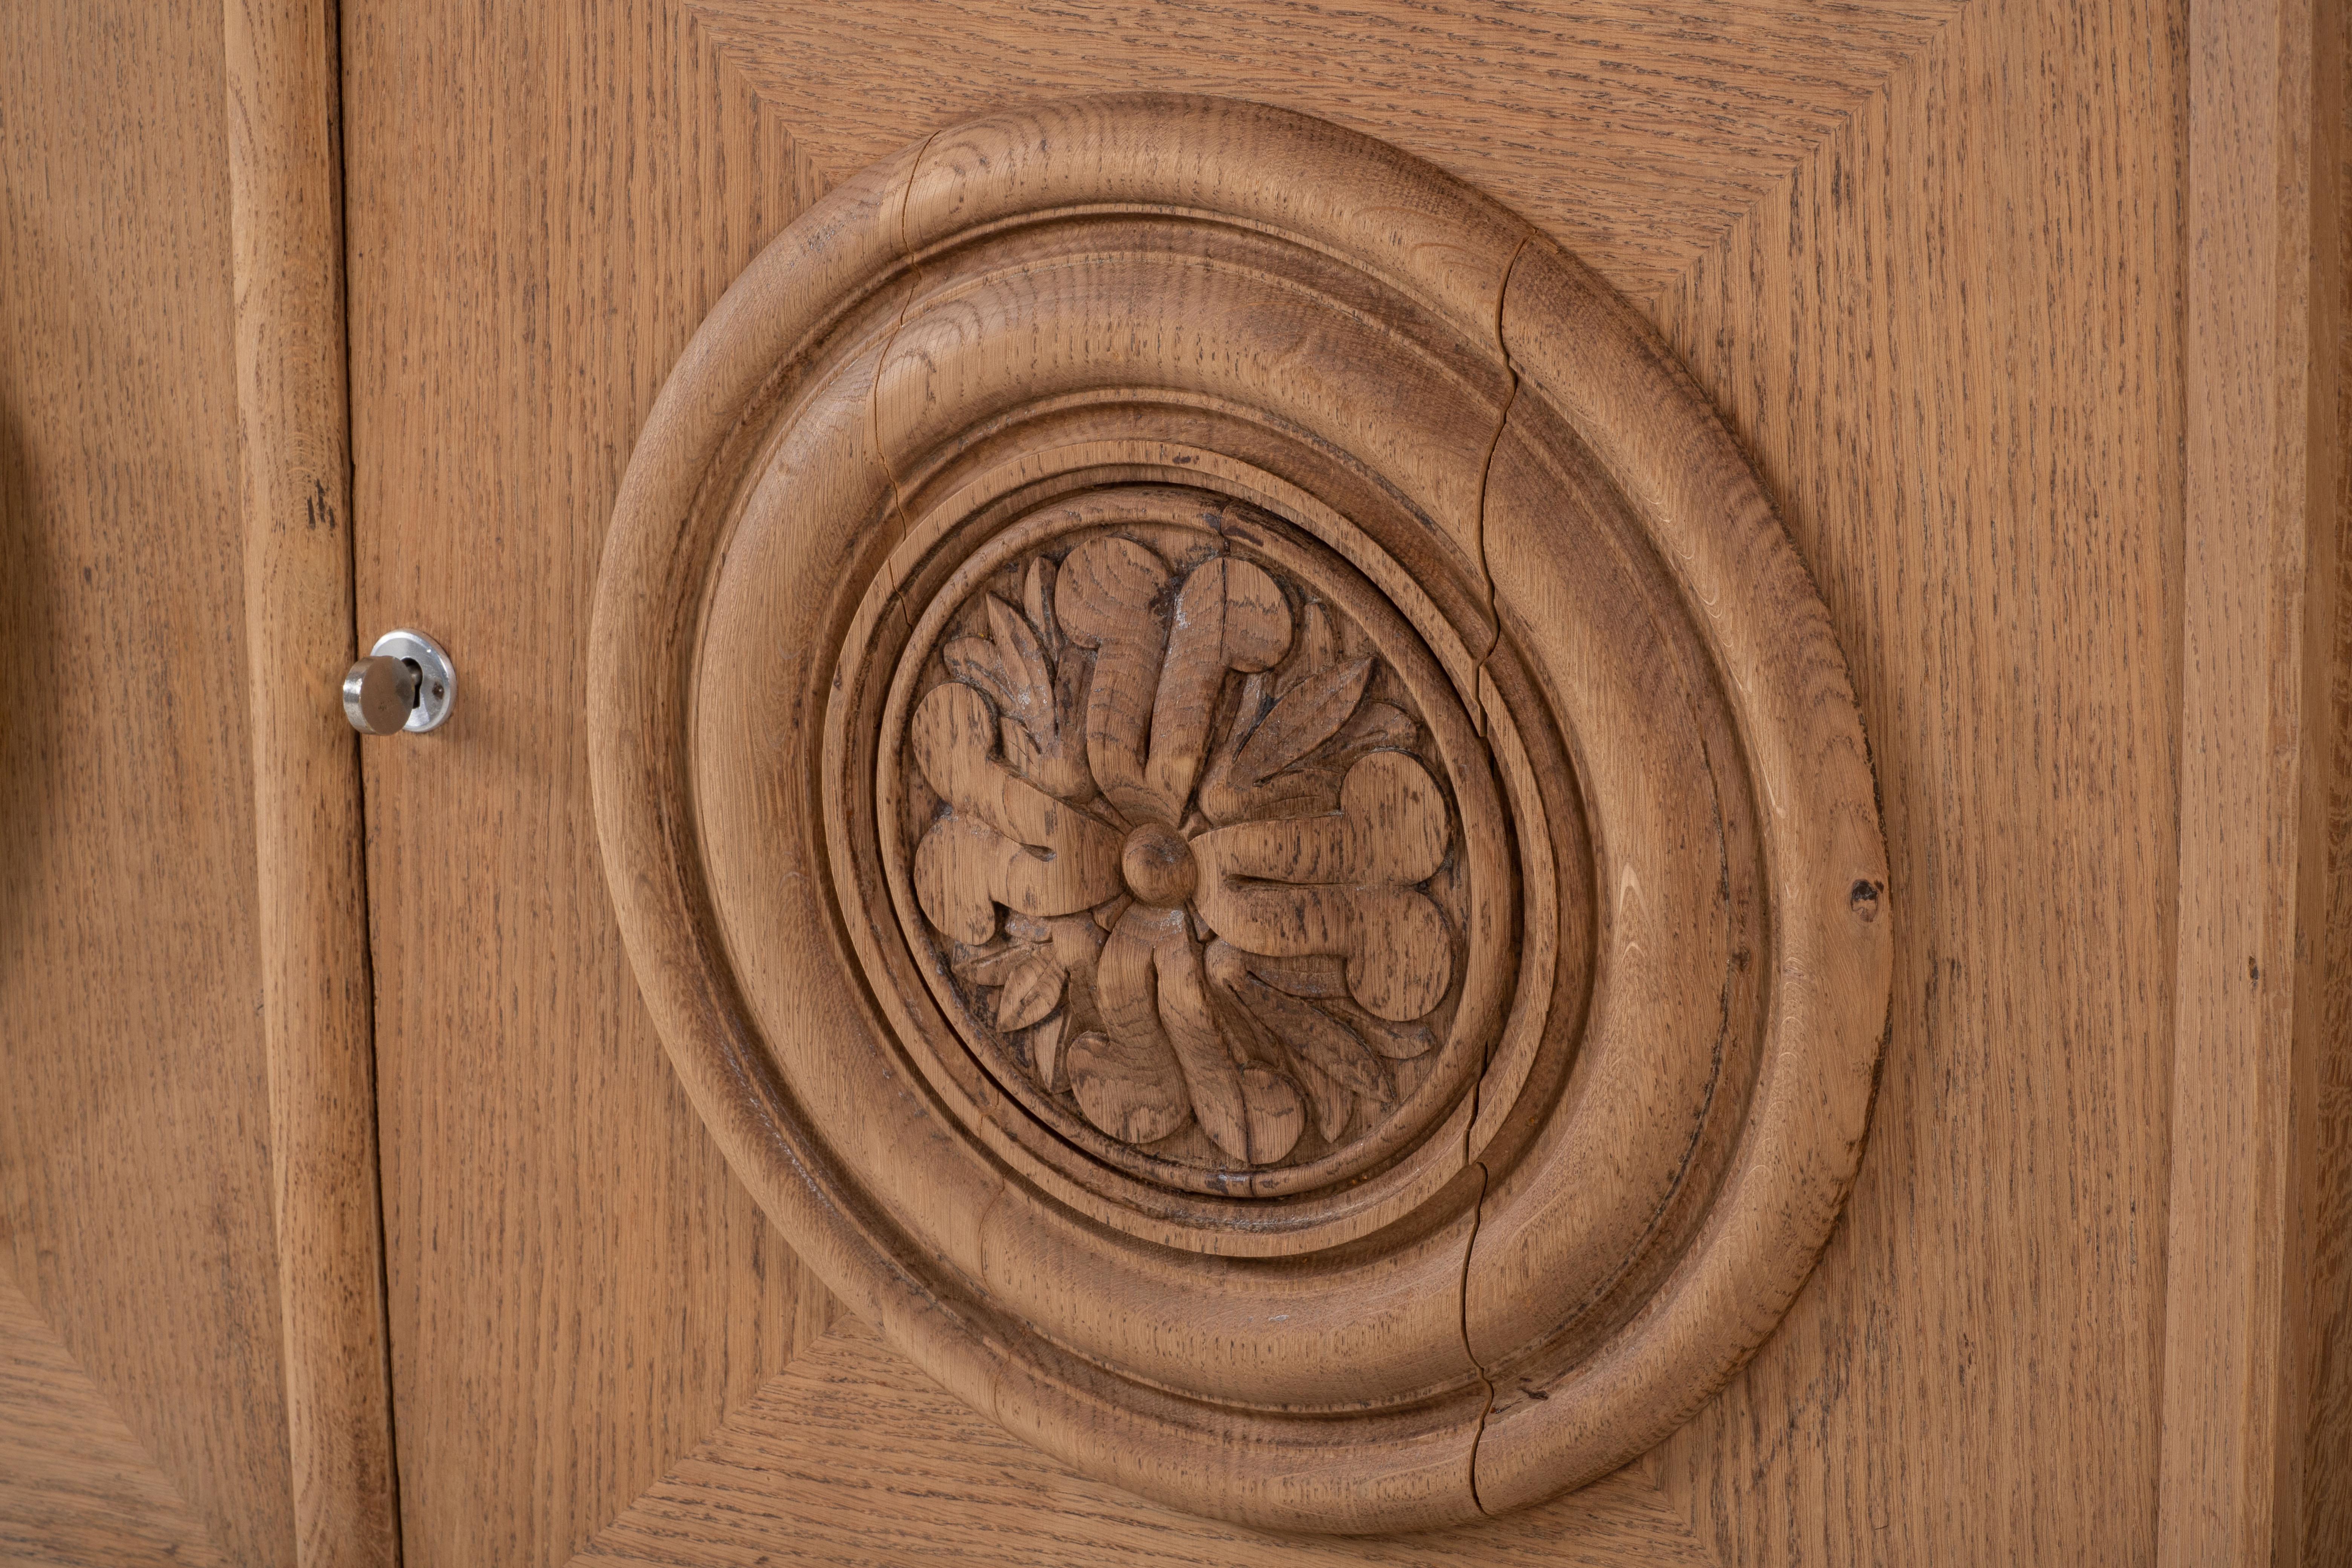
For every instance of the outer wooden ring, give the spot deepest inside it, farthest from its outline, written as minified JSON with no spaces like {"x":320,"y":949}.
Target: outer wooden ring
{"x":1601,"y":421}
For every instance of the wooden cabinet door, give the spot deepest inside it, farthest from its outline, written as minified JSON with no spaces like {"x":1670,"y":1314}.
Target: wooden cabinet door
{"x":1788,"y":558}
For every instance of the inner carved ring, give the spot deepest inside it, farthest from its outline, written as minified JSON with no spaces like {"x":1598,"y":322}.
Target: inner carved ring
{"x":1178,"y":846}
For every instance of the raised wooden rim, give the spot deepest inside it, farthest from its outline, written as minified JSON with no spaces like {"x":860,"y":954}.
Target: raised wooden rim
{"x":1588,"y":358}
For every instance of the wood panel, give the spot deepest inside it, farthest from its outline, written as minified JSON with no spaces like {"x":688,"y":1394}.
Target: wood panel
{"x":285,"y":224}
{"x":2326,"y":1223}
{"x":541,"y":203}
{"x":76,"y":1490}
{"x":1952,"y":344}
{"x":1636,"y":133}
{"x":1324,"y":1386}
{"x":852,"y":1457}
{"x":1947,"y":332}
{"x":1940,"y":297}
{"x":134,"y":1156}
{"x":2256,"y":779}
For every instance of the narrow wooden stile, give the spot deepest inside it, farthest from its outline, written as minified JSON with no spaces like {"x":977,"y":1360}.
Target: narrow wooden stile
{"x":286,"y":219}
{"x":2259,"y":777}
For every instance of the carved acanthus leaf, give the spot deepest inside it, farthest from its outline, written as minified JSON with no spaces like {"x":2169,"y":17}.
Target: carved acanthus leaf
{"x":1031,"y":991}
{"x":1301,"y":719}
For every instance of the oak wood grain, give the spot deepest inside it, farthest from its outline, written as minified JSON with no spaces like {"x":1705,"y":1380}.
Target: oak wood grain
{"x":1945,"y":321}
{"x":135,"y":1162}
{"x":540,"y":203}
{"x":1955,"y":354}
{"x":287,"y":236}
{"x":2326,"y":1222}
{"x":850,"y":1455}
{"x":2257,"y":782}
{"x":1303,"y":851}
{"x":1634,"y":133}
{"x":2023,"y":718}
{"x":76,"y":1490}
{"x":832,"y":452}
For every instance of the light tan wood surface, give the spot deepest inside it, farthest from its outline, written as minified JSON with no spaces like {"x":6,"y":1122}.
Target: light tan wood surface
{"x":2260,"y":789}
{"x":2026,"y":312}
{"x":135,"y":1166}
{"x":1958,"y":366}
{"x":1154,"y":1024}
{"x":285,"y":229}
{"x":578,"y":1290}
{"x":1634,"y":134}
{"x":1940,"y":304}
{"x":851,"y":1457}
{"x":77,"y":1489}
{"x":817,"y":464}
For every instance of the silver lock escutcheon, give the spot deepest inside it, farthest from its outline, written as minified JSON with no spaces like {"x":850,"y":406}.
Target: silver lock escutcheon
{"x":406,"y":684}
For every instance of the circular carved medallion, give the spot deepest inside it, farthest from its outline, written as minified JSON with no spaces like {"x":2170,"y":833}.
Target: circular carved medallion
{"x":1193,"y":842}
{"x":1238,"y":815}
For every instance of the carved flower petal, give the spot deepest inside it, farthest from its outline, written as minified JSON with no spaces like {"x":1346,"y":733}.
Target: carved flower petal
{"x":1275,"y":1117}
{"x":1311,"y":1034}
{"x":1399,"y":816}
{"x":1037,"y":602}
{"x":949,"y":734}
{"x":1341,"y":884}
{"x":1318,"y":975}
{"x":1391,"y":830}
{"x":996,"y":966}
{"x":1046,"y":1051}
{"x":1211,"y":1072}
{"x":1127,"y":1087}
{"x":954,"y":865}
{"x":1401,"y":960}
{"x":1127,"y":1080}
{"x":1397,"y":1042}
{"x":1317,"y":648}
{"x":964,"y":868}
{"x":1107,"y":597}
{"x":975,"y":662}
{"x":1028,"y":678}
{"x":1331,"y":1103}
{"x":1077,"y":944}
{"x":1229,"y":616}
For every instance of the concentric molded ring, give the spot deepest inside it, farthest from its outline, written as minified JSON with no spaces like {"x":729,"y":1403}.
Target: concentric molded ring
{"x":1628,"y":697}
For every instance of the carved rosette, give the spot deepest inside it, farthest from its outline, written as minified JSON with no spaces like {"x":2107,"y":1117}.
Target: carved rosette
{"x":1238,"y":815}
{"x":1185,"y":858}
{"x":1195,"y":850}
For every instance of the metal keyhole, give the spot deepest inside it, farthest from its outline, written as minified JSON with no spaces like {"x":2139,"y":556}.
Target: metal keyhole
{"x":407,"y":683}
